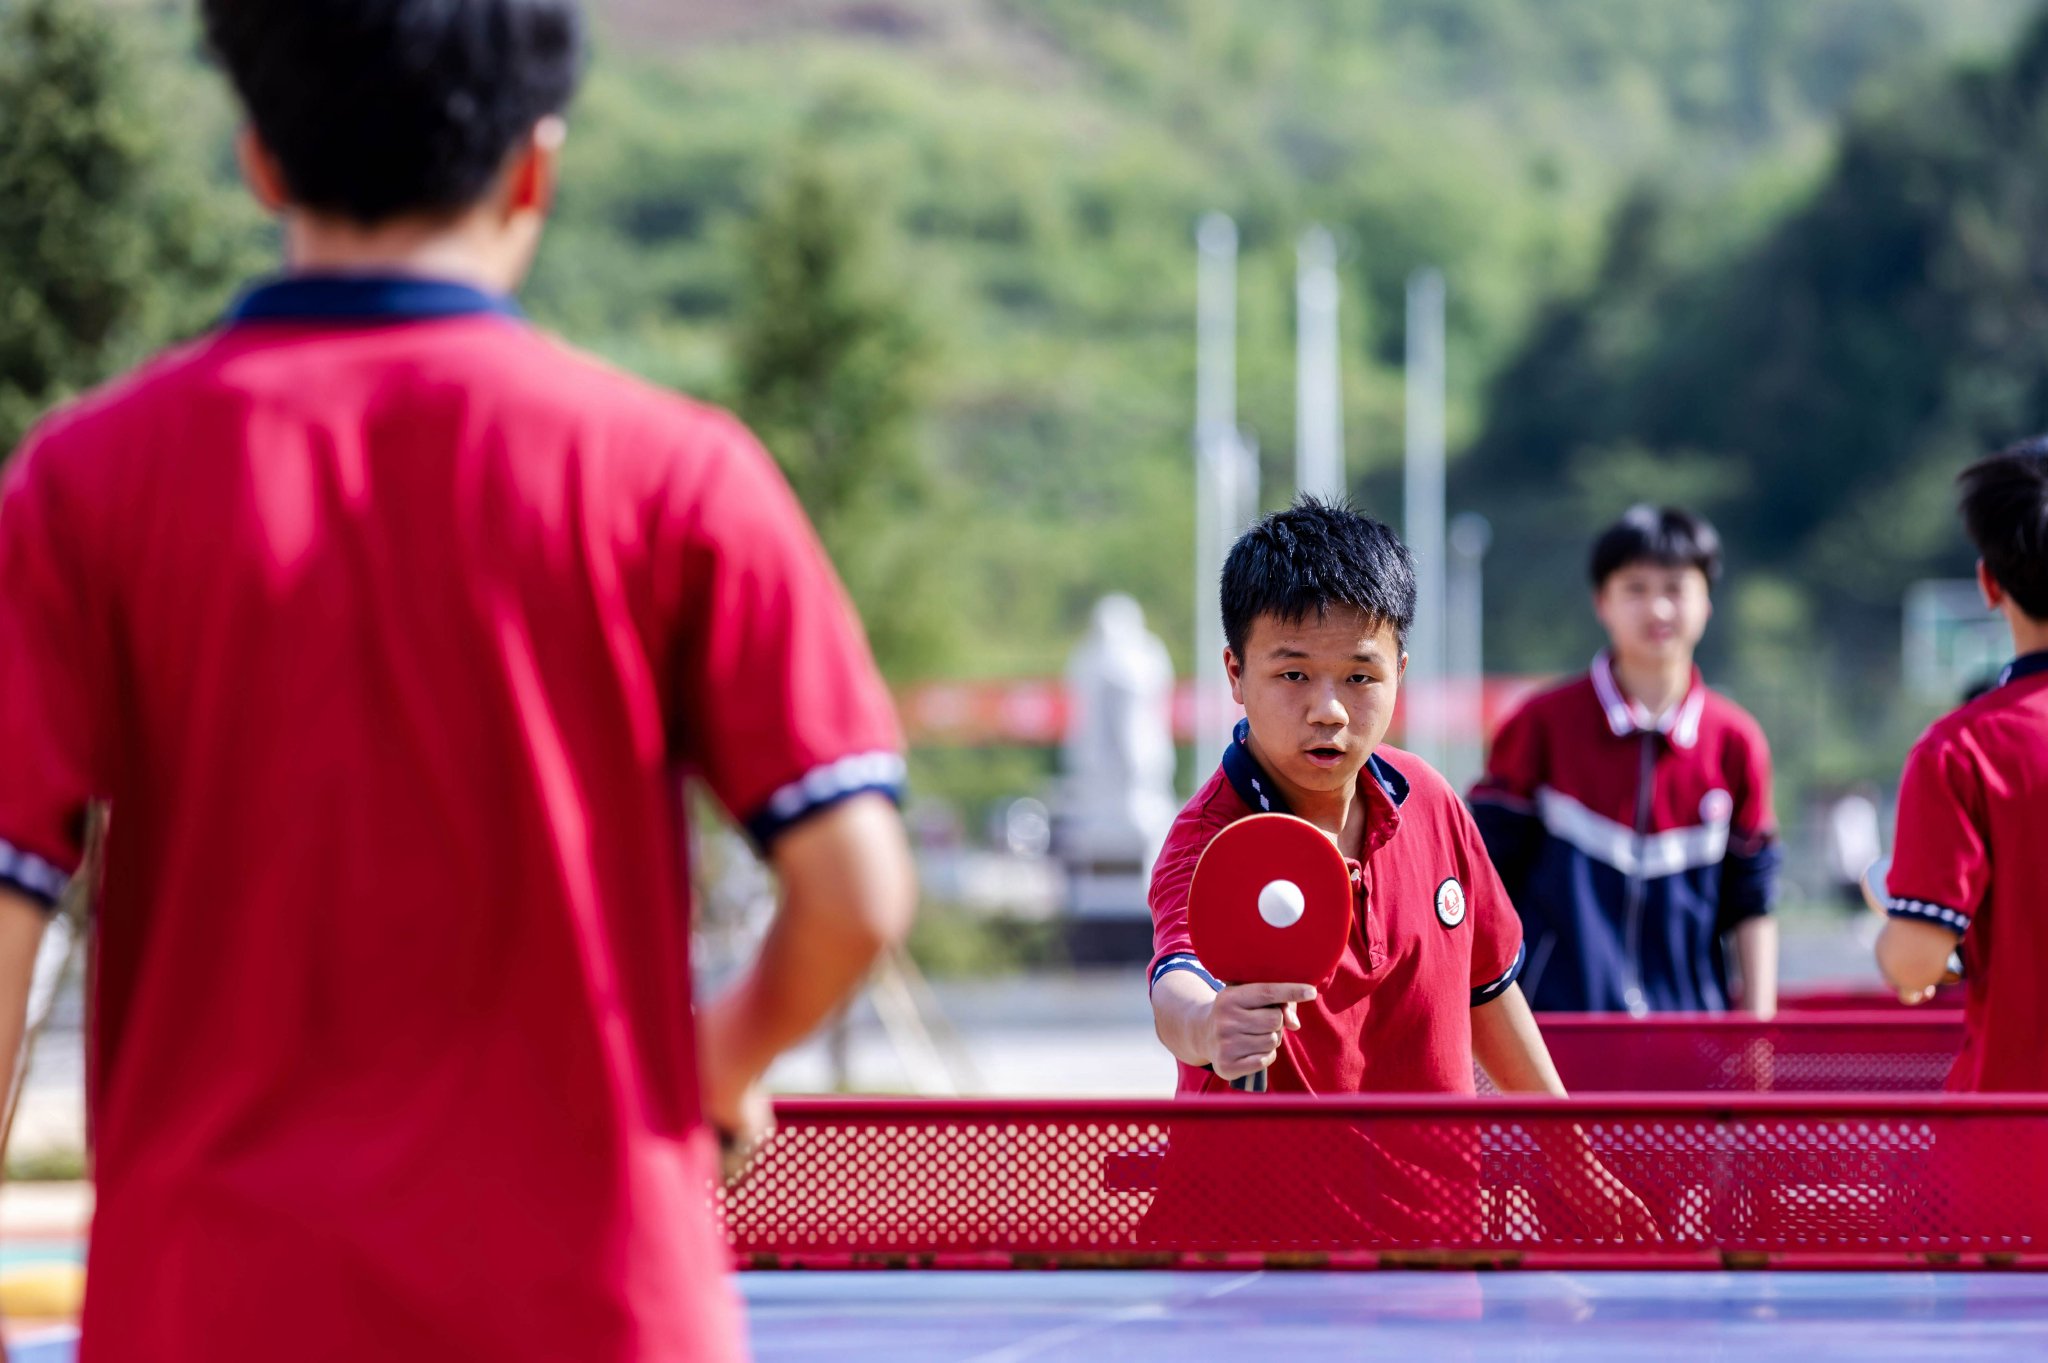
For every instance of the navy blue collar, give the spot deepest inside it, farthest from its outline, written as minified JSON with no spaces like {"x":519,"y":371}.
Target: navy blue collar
{"x":1262,"y":796}
{"x":2026,"y":665}
{"x":365,"y":298}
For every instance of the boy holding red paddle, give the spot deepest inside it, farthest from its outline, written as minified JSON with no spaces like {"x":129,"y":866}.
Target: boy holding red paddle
{"x":1317,"y":601}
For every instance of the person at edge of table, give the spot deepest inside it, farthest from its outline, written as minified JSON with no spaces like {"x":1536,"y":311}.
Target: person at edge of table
{"x":1629,"y":809}
{"x":389,"y":626}
{"x":1969,"y":865}
{"x":1317,"y":601}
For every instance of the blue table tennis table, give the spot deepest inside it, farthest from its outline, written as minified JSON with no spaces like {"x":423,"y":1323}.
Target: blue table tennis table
{"x":1441,"y":1317}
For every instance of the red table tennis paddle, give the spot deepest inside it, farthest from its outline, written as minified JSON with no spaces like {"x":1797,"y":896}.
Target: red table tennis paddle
{"x":1270,"y":904}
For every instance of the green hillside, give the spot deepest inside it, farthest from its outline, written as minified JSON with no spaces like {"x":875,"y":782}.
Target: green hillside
{"x":1031,"y":170}
{"x":1042,"y":162}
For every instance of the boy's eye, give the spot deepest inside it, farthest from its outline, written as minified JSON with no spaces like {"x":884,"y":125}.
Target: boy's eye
{"x":1359,"y":679}
{"x":1294,"y":676}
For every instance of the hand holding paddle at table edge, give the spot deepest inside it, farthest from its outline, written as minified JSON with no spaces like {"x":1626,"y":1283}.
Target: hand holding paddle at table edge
{"x":1906,"y":948}
{"x":1269,"y":910}
{"x":848,"y":894}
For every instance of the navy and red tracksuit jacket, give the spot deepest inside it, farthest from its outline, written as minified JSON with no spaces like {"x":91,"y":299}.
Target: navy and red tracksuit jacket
{"x":1630,"y":845}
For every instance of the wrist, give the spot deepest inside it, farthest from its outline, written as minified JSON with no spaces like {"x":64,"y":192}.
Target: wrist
{"x":728,"y":1042}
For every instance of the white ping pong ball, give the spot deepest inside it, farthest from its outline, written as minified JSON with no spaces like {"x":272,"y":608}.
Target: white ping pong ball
{"x":1281,"y":903}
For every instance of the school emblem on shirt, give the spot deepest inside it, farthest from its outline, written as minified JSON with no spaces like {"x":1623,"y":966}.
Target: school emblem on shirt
{"x":1450,"y":903}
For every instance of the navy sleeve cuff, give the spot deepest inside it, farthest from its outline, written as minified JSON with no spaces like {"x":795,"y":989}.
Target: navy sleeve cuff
{"x":873,"y":773}
{"x":1954,"y":920}
{"x":30,"y":876}
{"x":1183,"y":960}
{"x":1487,"y":993}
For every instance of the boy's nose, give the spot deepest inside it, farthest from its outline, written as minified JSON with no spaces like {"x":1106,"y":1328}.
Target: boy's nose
{"x":1329,"y":710}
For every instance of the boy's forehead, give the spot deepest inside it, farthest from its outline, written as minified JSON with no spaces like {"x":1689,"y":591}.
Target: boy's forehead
{"x":1339,"y":629}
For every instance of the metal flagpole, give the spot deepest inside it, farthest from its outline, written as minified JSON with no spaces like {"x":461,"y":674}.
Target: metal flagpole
{"x":1218,"y":471}
{"x":1470,"y":536}
{"x":1318,"y":400}
{"x":1423,"y":704}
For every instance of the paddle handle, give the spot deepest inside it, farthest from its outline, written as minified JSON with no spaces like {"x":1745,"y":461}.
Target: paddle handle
{"x":1255,"y":1082}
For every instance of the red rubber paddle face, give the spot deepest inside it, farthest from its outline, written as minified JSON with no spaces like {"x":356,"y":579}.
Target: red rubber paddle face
{"x":1234,"y":940}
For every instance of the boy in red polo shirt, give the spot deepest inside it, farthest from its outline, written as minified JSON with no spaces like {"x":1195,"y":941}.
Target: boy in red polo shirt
{"x":1970,"y":859}
{"x":389,"y":627}
{"x":1317,"y":601}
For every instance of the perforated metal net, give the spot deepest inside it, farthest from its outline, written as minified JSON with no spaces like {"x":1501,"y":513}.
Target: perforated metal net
{"x":1363,"y":1182}
{"x":1830,"y":1053}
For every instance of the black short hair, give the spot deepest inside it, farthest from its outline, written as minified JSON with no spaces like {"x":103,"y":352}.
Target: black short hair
{"x":1310,"y":557}
{"x":2005,"y":510}
{"x":1668,"y":536}
{"x":379,"y":109}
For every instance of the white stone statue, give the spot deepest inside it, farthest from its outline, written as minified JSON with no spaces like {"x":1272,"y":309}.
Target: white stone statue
{"x":1119,"y":747}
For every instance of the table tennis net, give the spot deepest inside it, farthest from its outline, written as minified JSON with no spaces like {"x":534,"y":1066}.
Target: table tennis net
{"x":1364,"y":1182}
{"x":1864,"y":1052}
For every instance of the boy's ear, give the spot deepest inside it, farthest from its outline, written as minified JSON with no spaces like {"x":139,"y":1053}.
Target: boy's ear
{"x":1401,"y":669}
{"x":260,"y":171}
{"x":1233,"y":669}
{"x":536,"y":166}
{"x":1994,"y":595}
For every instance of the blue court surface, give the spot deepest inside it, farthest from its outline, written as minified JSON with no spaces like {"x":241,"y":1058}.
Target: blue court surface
{"x":1439,"y":1317}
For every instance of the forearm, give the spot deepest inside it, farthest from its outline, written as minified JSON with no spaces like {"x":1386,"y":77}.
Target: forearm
{"x":849,"y":893}
{"x":22,"y":922}
{"x":1913,"y":956}
{"x":1509,"y":1046}
{"x":1756,"y":957}
{"x":1180,"y":1015}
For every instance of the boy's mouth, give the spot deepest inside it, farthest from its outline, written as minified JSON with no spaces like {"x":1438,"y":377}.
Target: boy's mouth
{"x":1325,"y":755}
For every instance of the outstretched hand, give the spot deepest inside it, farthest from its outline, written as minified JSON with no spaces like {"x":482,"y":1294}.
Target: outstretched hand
{"x":1608,"y":1209}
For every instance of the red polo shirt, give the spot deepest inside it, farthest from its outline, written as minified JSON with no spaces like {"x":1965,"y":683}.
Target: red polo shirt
{"x":1395,"y":1016}
{"x":389,"y":626}
{"x":1971,"y":854}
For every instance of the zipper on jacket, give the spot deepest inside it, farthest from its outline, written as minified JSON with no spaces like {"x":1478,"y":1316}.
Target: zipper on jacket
{"x":1632,"y":994}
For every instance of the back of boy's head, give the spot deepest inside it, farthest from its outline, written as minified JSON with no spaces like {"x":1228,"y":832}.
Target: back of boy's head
{"x":1299,"y":563}
{"x":1667,"y":536}
{"x":381,"y":109}
{"x":2005,"y":510}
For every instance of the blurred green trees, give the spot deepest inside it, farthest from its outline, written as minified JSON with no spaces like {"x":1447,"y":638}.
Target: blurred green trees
{"x":74,"y":255}
{"x":946,"y":269}
{"x":1813,"y":383}
{"x":831,"y":372}
{"x":101,"y":254}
